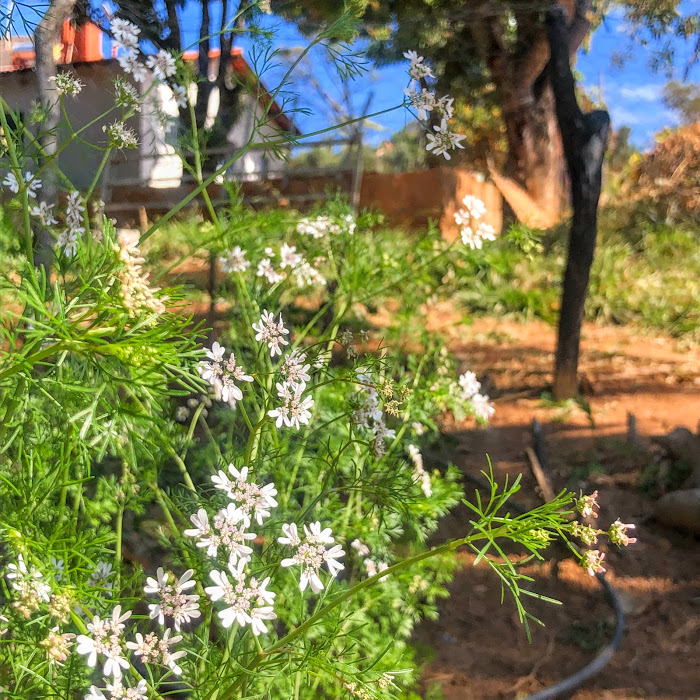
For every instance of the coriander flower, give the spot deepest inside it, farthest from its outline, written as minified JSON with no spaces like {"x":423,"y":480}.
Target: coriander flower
{"x":125,"y":33}
{"x":289,"y":257}
{"x":444,"y":140}
{"x":120,"y":135}
{"x":154,"y":650}
{"x":419,"y":473}
{"x":423,"y":101}
{"x":445,"y":107}
{"x":250,"y":498}
{"x":311,"y":552}
{"x":306,"y":275}
{"x":119,"y":692}
{"x":130,"y":64}
{"x":29,"y":584}
{"x":295,"y":410}
{"x":234,"y":260}
{"x":618,"y":533}
{"x":228,"y":531}
{"x":68,"y":242}
{"x":475,"y":237}
{"x":587,"y":535}
{"x":223,"y":375}
{"x":44,"y":212}
{"x":317,"y":228}
{"x":294,"y":368}
{"x":57,"y":646}
{"x":417,"y":69}
{"x":592,"y":562}
{"x":105,"y":640}
{"x":29,"y":181}
{"x":266,"y":270}
{"x":586,"y":505}
{"x":267,"y":330}
{"x":482,"y":407}
{"x":249,"y":602}
{"x":474,"y":207}
{"x":74,"y":209}
{"x":470,"y":384}
{"x":126,"y":95}
{"x":162,"y":64}
{"x":67,"y":84}
{"x":360,"y":547}
{"x":174,"y":602}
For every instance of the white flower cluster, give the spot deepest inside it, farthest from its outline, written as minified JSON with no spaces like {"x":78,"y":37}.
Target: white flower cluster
{"x":467,"y":390}
{"x":44,"y":213}
{"x":295,"y":410}
{"x":126,"y":95}
{"x":473,"y":231}
{"x":68,"y":238}
{"x":120,"y":135}
{"x":137,"y":296}
{"x":252,"y":500}
{"x":424,"y":101}
{"x":293,"y":265}
{"x":126,"y":37}
{"x":174,"y":602}
{"x":372,"y":567}
{"x":30,"y":587}
{"x":419,"y":473}
{"x":369,"y":417}
{"x":67,"y":84}
{"x":592,"y":559}
{"x":29,"y":183}
{"x":234,"y":260}
{"x":324,"y":226}
{"x":311,"y":552}
{"x":223,"y":375}
{"x":271,"y":332}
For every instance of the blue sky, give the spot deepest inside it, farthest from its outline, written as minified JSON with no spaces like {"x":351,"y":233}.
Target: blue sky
{"x":632,"y":93}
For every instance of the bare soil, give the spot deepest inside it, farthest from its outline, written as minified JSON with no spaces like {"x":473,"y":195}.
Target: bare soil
{"x":478,"y":649}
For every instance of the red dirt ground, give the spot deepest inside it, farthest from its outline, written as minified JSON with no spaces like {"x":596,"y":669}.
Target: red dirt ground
{"x":478,"y":649}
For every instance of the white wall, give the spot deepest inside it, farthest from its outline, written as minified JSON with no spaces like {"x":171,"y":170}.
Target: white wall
{"x":156,"y":163}
{"x":79,"y":161}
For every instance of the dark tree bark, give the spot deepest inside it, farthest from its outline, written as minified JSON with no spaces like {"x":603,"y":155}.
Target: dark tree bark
{"x":47,"y":35}
{"x":521,"y":76}
{"x":584,"y":138}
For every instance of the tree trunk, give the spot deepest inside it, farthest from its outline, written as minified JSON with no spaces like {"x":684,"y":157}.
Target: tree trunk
{"x":535,"y":159}
{"x":584,"y":138}
{"x":47,"y":35}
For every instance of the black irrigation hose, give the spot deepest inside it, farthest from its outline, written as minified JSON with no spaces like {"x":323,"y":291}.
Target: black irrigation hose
{"x":605,"y":655}
{"x":601,"y":660}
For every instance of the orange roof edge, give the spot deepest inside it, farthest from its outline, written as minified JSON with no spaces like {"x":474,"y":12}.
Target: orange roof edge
{"x":84,"y":45}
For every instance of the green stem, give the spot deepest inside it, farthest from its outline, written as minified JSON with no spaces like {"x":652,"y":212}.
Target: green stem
{"x":365,"y":583}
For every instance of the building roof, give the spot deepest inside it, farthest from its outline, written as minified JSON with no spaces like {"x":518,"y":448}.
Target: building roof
{"x":84,"y":45}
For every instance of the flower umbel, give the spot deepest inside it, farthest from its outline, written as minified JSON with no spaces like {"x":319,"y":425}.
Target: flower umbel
{"x":272,"y":332}
{"x":174,"y":602}
{"x":249,"y":602}
{"x":250,"y":498}
{"x":311,"y":553}
{"x":105,"y":640}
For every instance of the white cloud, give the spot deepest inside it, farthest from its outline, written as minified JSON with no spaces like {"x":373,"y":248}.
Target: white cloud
{"x":644,"y":93}
{"x":621,"y":116}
